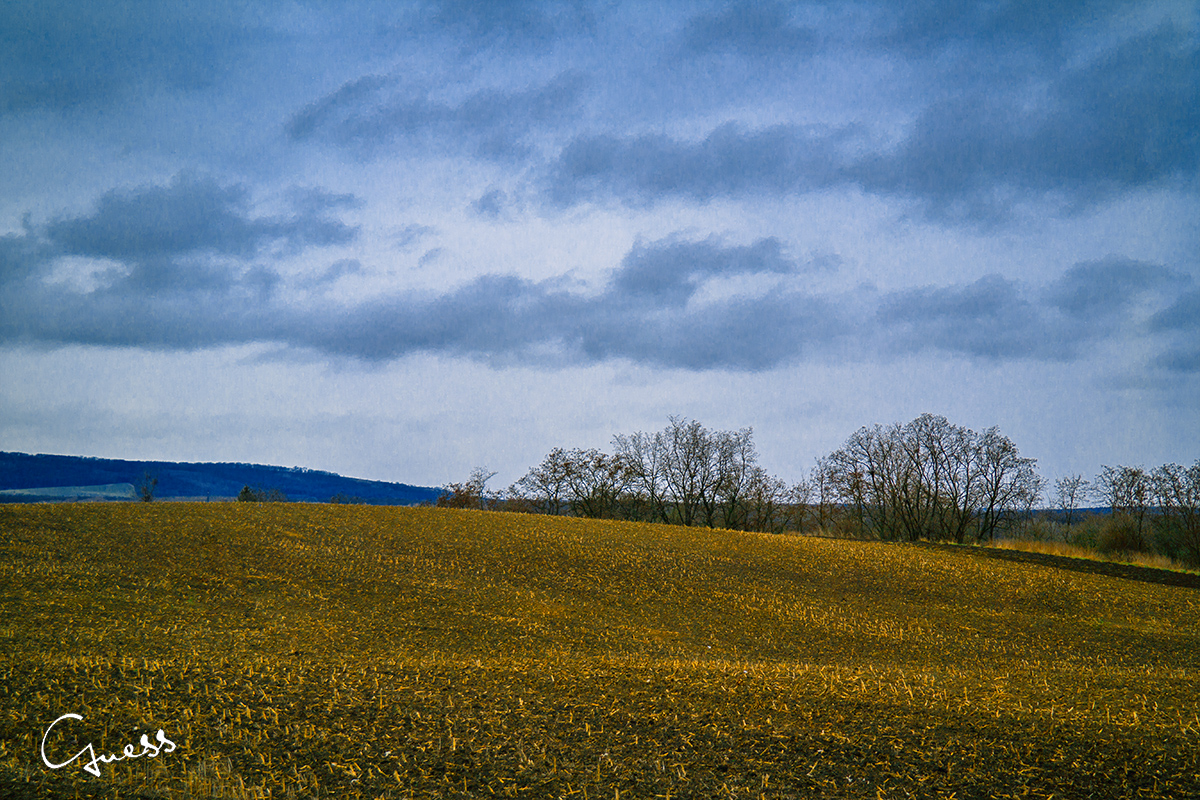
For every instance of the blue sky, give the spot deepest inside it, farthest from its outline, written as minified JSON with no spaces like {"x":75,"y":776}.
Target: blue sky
{"x":398,"y":241}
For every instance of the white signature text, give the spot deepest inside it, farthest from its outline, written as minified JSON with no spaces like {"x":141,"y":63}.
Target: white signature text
{"x":161,"y":744}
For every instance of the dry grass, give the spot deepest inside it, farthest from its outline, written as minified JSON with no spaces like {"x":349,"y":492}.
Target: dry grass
{"x":348,"y":651}
{"x":1150,"y":560}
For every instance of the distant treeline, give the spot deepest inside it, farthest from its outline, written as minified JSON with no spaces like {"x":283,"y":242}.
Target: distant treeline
{"x":192,"y":480}
{"x":925,"y":480}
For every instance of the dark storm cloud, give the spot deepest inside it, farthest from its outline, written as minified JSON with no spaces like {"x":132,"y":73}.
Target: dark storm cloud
{"x":494,"y":315}
{"x":57,"y":55}
{"x":193,"y":269}
{"x":1007,"y":118}
{"x":739,"y":333}
{"x":369,"y":114}
{"x":998,"y":318}
{"x":1102,"y":289}
{"x":1181,"y":322}
{"x":1181,"y":315}
{"x":990,"y":318}
{"x":649,"y":313}
{"x":22,"y":256}
{"x":755,"y":29}
{"x":194,"y":215}
{"x":637,"y":317}
{"x":523,"y":23}
{"x":646,"y":313}
{"x":668,"y":272}
{"x":919,"y":27}
{"x":731,"y":161}
{"x":180,"y":320}
{"x":183,"y":265}
{"x":1124,"y":121}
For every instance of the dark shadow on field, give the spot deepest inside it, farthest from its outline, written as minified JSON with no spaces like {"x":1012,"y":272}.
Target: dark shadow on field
{"x":1163,"y":577}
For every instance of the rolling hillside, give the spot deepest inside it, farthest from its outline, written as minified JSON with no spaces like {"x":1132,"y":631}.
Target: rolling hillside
{"x":350,"y":651}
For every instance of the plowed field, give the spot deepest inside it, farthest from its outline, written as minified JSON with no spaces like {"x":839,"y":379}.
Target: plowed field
{"x":291,"y":650}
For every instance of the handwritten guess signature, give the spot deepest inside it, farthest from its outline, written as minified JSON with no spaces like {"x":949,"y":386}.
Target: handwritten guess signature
{"x":162,"y":744}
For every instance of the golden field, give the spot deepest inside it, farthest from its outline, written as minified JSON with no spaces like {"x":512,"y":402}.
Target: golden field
{"x":294,"y":650}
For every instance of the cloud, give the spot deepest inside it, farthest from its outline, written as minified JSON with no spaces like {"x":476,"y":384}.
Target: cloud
{"x":754,"y":29}
{"x":916,"y":28}
{"x":730,"y":162}
{"x":524,"y":23}
{"x":408,"y":236}
{"x":1106,"y":288}
{"x":989,"y":318}
{"x":179,"y":265}
{"x":373,"y":113}
{"x":58,"y":55}
{"x":641,"y":315}
{"x":494,"y":315}
{"x":668,"y":272}
{"x":1182,"y":315}
{"x":22,"y":256}
{"x":188,"y":216}
{"x":336,"y":270}
{"x":1181,"y":322}
{"x":998,"y":318}
{"x":1181,"y":358}
{"x":1066,"y":127}
{"x":1125,"y":120}
{"x":645,"y":313}
{"x":192,"y":267}
{"x":745,"y":334}
{"x":326,"y":112}
{"x":490,"y":204}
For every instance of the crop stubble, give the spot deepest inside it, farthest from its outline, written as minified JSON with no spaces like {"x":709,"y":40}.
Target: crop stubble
{"x":299,"y":650}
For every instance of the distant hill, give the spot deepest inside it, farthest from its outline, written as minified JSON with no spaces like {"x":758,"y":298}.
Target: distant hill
{"x":110,"y":491}
{"x":71,"y":477}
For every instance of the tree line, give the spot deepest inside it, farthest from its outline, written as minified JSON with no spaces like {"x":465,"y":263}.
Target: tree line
{"x":684,"y":474}
{"x":1157,"y":509}
{"x":927,"y":479}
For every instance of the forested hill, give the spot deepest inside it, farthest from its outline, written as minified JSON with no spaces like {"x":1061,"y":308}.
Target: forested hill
{"x":23,"y":471}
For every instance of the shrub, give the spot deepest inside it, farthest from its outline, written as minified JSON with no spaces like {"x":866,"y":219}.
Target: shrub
{"x":248,"y":495}
{"x":1121,"y":535}
{"x":1087,"y":532}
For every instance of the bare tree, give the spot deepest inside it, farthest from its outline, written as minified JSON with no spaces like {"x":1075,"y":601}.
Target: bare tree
{"x":1125,"y":490}
{"x":684,"y":474}
{"x":931,"y":479}
{"x":596,"y":483}
{"x":1011,"y":485}
{"x":645,"y":456}
{"x":868,"y":476}
{"x":764,"y":499}
{"x":546,"y":484}
{"x":738,"y":478}
{"x":1177,"y":494}
{"x":1069,"y":492}
{"x":146,"y":486}
{"x":824,"y":495}
{"x":469,"y":494}
{"x":690,"y":471}
{"x":801,"y":508}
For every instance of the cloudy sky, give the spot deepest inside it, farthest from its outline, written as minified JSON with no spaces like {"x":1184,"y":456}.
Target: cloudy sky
{"x":398,"y":241}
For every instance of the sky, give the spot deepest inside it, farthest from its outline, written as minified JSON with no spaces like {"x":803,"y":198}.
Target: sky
{"x":399,"y":241}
